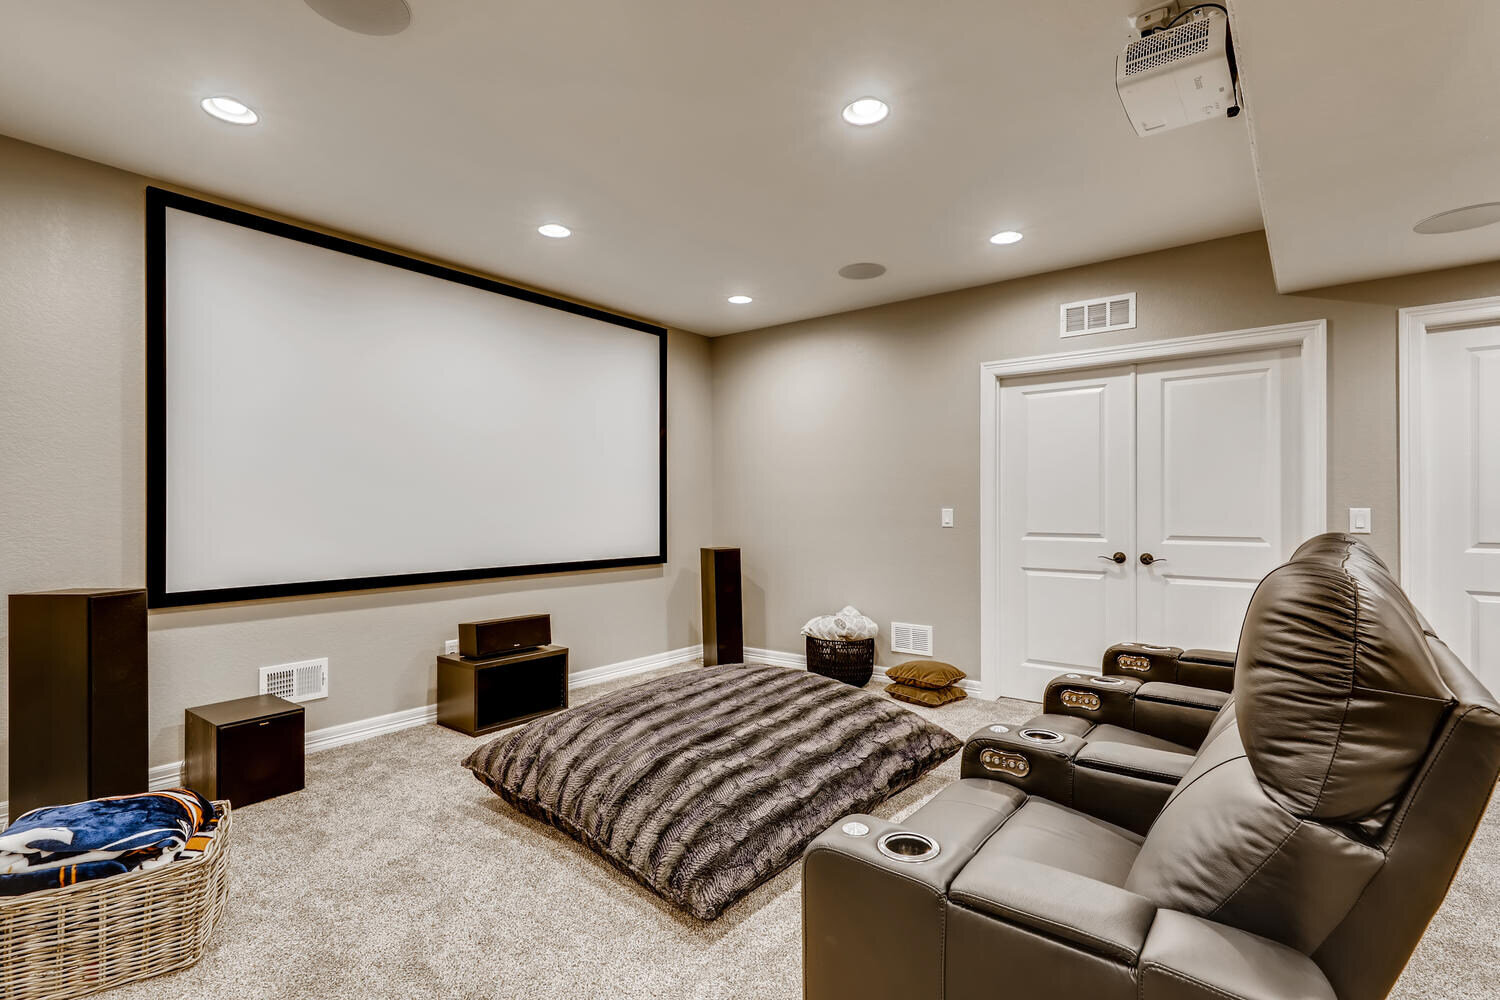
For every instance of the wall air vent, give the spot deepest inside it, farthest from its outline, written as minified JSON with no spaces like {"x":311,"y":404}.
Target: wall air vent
{"x":300,"y":681}
{"x":907,"y":638}
{"x":1113,"y":312}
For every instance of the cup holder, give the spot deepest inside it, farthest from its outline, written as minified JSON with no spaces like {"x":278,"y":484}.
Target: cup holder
{"x":903,"y":845}
{"x":1041,"y":736}
{"x":1108,"y":680}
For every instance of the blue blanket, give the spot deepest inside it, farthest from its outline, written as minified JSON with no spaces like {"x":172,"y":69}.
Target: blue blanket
{"x":62,"y":845}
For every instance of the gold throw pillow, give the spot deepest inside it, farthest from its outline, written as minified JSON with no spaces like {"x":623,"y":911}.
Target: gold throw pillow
{"x":926,"y":674}
{"x":925,"y":696}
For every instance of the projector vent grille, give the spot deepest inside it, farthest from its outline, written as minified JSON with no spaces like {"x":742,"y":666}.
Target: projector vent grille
{"x":1113,"y":312}
{"x":906,"y":638}
{"x":300,"y":681}
{"x":1163,"y":48}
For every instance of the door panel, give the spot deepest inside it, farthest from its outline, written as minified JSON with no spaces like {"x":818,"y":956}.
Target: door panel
{"x":1067,"y":497}
{"x":1219,"y":490}
{"x":1460,"y":452}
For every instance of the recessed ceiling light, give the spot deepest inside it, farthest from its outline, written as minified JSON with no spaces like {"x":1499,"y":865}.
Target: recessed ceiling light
{"x":865,"y":111}
{"x":863,"y":269}
{"x":741,"y":300}
{"x":229,"y":110}
{"x":1460,"y":219}
{"x":554,"y":230}
{"x":1008,"y":236}
{"x":367,"y":17}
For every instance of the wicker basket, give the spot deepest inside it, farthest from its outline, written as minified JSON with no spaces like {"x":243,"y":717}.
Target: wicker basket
{"x":107,"y":932}
{"x":851,"y":661}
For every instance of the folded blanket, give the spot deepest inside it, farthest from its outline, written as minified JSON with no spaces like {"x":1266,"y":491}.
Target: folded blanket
{"x":848,"y":625}
{"x":62,"y":845}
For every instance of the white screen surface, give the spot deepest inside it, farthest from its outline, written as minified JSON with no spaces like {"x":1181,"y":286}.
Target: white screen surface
{"x":333,"y":418}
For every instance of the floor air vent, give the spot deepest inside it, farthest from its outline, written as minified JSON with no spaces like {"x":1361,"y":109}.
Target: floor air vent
{"x":1113,"y":312}
{"x":300,"y":681}
{"x":911,"y":638}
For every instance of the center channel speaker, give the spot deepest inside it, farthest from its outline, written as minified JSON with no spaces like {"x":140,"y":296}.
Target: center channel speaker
{"x":723,"y":610}
{"x":501,"y":636}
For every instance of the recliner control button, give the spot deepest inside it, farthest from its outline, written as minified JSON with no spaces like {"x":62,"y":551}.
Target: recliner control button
{"x":1085,"y":700}
{"x":1003,"y":762}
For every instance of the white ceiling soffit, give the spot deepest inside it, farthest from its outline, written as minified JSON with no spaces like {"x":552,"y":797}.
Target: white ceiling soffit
{"x":1366,"y":119}
{"x":695,"y":150}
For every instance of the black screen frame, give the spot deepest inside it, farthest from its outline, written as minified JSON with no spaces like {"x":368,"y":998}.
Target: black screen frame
{"x":158,"y":200}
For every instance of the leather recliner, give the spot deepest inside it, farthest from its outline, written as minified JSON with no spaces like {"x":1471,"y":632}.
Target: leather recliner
{"x":1301,"y":855}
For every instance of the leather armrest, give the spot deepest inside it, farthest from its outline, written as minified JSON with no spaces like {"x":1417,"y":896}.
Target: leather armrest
{"x":1185,"y":695}
{"x":1207,"y":668}
{"x":1142,"y":661}
{"x":1013,"y":755}
{"x":1180,"y":713}
{"x":1094,"y":915}
{"x":1202,"y":668}
{"x":1125,"y":784}
{"x":1190,"y":958}
{"x":850,"y":887}
{"x":1146,"y":763}
{"x":1095,"y":699}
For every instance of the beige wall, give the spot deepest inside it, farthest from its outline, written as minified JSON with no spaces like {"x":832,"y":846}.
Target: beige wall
{"x":72,"y":485}
{"x":831,"y":443}
{"x":838,"y":439}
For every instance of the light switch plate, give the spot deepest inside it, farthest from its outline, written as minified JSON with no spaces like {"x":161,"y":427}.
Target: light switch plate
{"x":1359,"y":520}
{"x":947,"y":517}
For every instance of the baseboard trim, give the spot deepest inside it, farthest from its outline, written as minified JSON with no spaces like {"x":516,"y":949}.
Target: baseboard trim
{"x":170,"y":775}
{"x":639,"y":665}
{"x":780,"y":658}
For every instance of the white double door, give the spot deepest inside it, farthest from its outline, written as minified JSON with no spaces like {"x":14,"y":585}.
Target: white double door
{"x":1142,"y":503}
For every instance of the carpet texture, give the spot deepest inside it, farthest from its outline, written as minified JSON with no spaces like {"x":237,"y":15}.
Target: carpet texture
{"x":397,"y":875}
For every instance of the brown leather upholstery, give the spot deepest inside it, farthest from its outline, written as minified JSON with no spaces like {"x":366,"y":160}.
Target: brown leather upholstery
{"x":1339,"y":695}
{"x":1300,"y":856}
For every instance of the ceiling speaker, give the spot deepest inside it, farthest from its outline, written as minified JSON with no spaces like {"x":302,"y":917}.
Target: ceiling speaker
{"x":367,"y":17}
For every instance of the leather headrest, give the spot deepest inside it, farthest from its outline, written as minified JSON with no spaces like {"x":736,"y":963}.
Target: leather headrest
{"x":1336,"y":690}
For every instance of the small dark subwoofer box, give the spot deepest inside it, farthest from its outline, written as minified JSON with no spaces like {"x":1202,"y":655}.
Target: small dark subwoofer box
{"x":498,"y":636}
{"x":244,"y":750}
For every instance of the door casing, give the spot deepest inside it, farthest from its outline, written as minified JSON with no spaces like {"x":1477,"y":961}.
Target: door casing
{"x":1310,"y":338}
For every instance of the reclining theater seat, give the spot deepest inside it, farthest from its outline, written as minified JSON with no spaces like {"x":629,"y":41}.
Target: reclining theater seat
{"x":1137,"y":724}
{"x":1302,"y":854}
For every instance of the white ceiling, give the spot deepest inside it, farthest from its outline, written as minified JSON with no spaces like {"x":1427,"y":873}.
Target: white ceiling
{"x":1366,"y":119}
{"x":695,"y":149}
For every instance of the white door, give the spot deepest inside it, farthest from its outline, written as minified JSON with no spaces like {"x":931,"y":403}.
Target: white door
{"x":1189,"y":470}
{"x":1458,"y":537}
{"x":1219,"y":491}
{"x":1067,"y":505}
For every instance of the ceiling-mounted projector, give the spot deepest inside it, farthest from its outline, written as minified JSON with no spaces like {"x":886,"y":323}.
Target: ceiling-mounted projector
{"x":1179,"y":73}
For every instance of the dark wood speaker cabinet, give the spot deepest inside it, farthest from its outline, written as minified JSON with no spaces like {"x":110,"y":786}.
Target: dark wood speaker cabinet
{"x":480,"y":696}
{"x":723,"y":609}
{"x":503,"y":636}
{"x":246,"y":750}
{"x":77,"y":696}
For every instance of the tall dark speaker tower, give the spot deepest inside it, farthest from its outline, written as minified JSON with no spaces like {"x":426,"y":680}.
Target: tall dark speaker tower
{"x":77,"y":696}
{"x":723,"y":612}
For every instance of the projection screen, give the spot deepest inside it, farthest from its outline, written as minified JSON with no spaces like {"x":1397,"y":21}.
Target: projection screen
{"x":325,"y":415}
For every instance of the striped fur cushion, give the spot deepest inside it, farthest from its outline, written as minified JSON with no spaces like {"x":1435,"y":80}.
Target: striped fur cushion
{"x":703,"y":784}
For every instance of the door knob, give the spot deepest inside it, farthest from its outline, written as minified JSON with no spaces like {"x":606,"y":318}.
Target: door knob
{"x":1147,"y":559}
{"x":1118,"y":557}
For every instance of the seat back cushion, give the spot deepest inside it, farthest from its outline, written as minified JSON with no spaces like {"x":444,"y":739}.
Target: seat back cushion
{"x":1281,"y":822}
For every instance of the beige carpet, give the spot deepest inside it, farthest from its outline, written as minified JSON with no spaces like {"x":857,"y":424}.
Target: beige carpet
{"x":396,"y":874}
